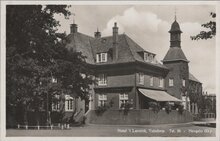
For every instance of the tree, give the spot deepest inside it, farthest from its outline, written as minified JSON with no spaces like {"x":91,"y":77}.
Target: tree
{"x":211,"y":26}
{"x":35,"y":54}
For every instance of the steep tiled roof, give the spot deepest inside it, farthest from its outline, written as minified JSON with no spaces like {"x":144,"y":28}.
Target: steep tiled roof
{"x":81,"y":43}
{"x":128,"y":50}
{"x":193,"y":78}
{"x":175,"y":54}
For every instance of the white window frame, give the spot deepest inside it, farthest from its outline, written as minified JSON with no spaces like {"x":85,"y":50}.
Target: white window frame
{"x":141,"y":78}
{"x":101,"y":57}
{"x":102,"y":99}
{"x":161,"y":82}
{"x":123,"y":98}
{"x":151,"y":81}
{"x":146,"y":57}
{"x":151,"y":58}
{"x":68,"y":103}
{"x":184,"y":82}
{"x":98,"y":57}
{"x":104,"y":57}
{"x":171,"y":82}
{"x":54,"y":80}
{"x":102,"y":79}
{"x":56,"y":106}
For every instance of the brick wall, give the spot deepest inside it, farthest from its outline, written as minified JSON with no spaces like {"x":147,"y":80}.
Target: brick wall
{"x":114,"y":97}
{"x":147,"y":81}
{"x":178,"y":71}
{"x":141,"y":117}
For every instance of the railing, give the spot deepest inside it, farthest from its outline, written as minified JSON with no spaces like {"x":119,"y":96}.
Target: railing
{"x":209,"y":115}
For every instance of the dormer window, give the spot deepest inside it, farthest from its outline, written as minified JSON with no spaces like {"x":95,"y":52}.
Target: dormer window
{"x":148,"y":57}
{"x":161,"y":82}
{"x":101,"y":57}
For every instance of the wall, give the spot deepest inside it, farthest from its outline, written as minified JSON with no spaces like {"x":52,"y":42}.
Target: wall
{"x":178,"y":71}
{"x":116,"y":79}
{"x":138,"y":117}
{"x":147,"y":81}
{"x":113,"y":95}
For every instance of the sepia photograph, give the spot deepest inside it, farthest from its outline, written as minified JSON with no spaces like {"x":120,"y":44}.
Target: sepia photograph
{"x":129,"y":69}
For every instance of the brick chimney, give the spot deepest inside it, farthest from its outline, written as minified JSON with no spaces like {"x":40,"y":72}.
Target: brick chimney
{"x":115,"y":41}
{"x":97,"y":34}
{"x":73,"y":28}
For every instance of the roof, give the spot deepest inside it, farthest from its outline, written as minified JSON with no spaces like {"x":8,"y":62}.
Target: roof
{"x":175,"y":54}
{"x":193,"y":78}
{"x":175,"y":27}
{"x":128,"y":50}
{"x":81,"y":43}
{"x":158,"y":95}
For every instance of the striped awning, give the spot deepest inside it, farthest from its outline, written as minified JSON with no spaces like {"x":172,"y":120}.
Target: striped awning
{"x":158,"y":95}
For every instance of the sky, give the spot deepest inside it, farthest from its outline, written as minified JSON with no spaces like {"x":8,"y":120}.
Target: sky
{"x":148,"y":25}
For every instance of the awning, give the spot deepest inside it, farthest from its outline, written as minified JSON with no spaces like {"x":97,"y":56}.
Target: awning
{"x":158,"y":95}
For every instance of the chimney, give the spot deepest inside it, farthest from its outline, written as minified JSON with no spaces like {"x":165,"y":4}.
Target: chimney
{"x":115,"y":41}
{"x":115,"y":34}
{"x":97,"y":34}
{"x":73,"y":28}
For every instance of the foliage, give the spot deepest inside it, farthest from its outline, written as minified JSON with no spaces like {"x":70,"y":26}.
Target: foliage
{"x":35,"y":55}
{"x":180,"y":109}
{"x":84,"y":120}
{"x":126,"y":107}
{"x":211,"y":26}
{"x":207,"y":105}
{"x":168,"y":108}
{"x":101,"y":109}
{"x":155,"y":106}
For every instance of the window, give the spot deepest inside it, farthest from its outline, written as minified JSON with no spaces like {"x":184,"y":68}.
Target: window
{"x":101,"y":57}
{"x":141,"y":78}
{"x":123,"y":98}
{"x":170,"y":82}
{"x":68,"y":103}
{"x":55,"y":103}
{"x":148,"y":57}
{"x":56,"y":106}
{"x":184,"y":82}
{"x":54,"y":80}
{"x":151,"y":80}
{"x":102,"y":100}
{"x":98,"y":57}
{"x":161,"y":81}
{"x":102,"y":80}
{"x":151,"y":57}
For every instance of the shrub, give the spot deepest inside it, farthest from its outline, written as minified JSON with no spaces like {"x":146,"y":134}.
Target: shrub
{"x":180,"y":109}
{"x":155,"y":107}
{"x":84,"y":120}
{"x":101,"y":109}
{"x":168,"y":108}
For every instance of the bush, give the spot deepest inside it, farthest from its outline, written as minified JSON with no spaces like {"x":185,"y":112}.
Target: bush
{"x":100,"y":110}
{"x":126,"y":107}
{"x":168,"y":108}
{"x":84,"y":120}
{"x":180,"y":109}
{"x":155,"y":107}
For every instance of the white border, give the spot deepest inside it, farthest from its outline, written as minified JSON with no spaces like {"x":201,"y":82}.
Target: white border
{"x":3,"y":67}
